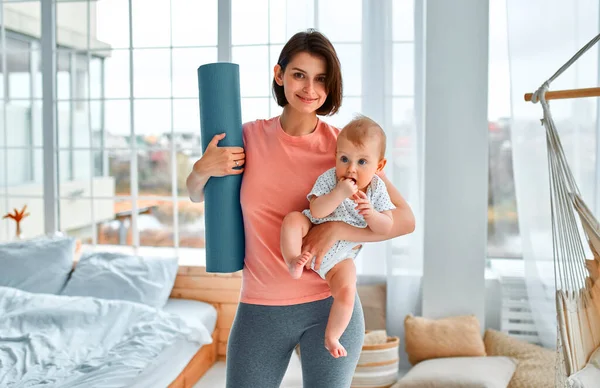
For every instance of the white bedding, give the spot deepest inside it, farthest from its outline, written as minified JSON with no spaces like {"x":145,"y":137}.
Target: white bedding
{"x":174,"y":359}
{"x":66,"y":342}
{"x":193,"y":312}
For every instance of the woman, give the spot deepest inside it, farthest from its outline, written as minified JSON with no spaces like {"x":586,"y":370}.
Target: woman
{"x":281,"y":159}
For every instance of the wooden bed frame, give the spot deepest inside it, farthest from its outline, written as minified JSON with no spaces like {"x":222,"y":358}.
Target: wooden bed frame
{"x":220,"y":290}
{"x":198,"y":365}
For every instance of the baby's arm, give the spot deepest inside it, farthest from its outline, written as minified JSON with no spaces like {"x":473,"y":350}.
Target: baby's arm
{"x":322,"y":237}
{"x":378,"y":222}
{"x":324,"y":205}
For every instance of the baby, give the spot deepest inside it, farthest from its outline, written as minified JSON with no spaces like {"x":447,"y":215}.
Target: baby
{"x":350,"y":192}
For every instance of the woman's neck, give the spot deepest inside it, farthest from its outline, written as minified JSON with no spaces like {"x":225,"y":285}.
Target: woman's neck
{"x":297,"y":124}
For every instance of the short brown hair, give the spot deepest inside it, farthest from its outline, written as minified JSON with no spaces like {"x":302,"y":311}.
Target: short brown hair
{"x":313,"y":42}
{"x":361,"y":129}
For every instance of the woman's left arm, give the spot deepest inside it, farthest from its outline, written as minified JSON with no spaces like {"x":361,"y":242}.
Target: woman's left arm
{"x":322,"y":237}
{"x":404,"y":219}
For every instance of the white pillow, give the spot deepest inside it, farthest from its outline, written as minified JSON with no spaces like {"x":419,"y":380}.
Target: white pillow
{"x":460,"y":372}
{"x":589,"y":376}
{"x":108,"y":275}
{"x":40,"y":265}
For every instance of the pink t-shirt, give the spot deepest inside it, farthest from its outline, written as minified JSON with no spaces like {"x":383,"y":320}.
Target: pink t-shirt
{"x":280,"y":171}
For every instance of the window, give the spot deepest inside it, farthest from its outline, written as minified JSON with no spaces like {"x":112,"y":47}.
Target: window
{"x":403,"y":138}
{"x":503,"y":229}
{"x":18,"y":110}
{"x":257,"y":49}
{"x":126,"y":106}
{"x":137,"y":128}
{"x":20,"y":127}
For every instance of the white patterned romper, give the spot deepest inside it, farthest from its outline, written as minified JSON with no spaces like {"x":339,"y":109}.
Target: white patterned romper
{"x":346,"y":212}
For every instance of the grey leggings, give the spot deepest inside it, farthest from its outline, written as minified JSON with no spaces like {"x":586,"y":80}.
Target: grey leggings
{"x":263,"y":338}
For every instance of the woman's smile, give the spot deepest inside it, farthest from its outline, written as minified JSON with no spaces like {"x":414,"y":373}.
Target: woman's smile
{"x":306,"y":100}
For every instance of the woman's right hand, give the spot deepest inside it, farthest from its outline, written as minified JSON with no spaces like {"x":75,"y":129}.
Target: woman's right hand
{"x":319,"y":240}
{"x":220,"y":161}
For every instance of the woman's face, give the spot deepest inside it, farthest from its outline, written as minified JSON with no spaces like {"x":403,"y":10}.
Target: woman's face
{"x":304,"y":82}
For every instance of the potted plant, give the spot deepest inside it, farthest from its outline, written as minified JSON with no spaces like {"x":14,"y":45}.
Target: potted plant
{"x":18,"y":217}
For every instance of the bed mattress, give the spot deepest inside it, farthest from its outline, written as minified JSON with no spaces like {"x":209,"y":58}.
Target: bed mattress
{"x":174,"y":359}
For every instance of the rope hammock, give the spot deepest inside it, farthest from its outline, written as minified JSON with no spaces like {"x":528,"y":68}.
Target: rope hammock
{"x":576,"y":276}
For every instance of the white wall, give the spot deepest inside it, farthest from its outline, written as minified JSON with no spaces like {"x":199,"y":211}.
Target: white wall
{"x":456,"y":158}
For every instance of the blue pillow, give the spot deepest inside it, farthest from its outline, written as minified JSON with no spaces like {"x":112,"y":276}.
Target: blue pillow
{"x":110,"y":275}
{"x":39,"y":265}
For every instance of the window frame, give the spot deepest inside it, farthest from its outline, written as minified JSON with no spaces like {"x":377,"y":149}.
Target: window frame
{"x":378,"y":91}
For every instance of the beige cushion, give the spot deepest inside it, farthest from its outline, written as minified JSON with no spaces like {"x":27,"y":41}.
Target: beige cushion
{"x":536,"y":364}
{"x":375,"y":337}
{"x":589,"y":376}
{"x":447,"y":337}
{"x":460,"y":372}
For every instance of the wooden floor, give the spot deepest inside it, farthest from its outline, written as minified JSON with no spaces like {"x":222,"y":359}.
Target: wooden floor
{"x":215,"y":377}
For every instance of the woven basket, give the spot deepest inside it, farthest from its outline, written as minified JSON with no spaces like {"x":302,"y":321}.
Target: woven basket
{"x":378,"y":365}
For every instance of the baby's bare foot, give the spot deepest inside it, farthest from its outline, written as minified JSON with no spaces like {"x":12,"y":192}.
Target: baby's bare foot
{"x":335,"y":347}
{"x":297,"y":265}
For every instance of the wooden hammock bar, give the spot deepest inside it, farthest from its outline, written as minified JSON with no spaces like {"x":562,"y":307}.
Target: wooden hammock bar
{"x":571,"y":93}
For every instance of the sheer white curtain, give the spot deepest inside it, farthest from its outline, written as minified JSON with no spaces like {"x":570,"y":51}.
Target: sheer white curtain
{"x":391,"y":95}
{"x":542,"y":36}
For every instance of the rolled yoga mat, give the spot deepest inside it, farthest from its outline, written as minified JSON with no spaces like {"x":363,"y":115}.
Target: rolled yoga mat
{"x":220,"y":111}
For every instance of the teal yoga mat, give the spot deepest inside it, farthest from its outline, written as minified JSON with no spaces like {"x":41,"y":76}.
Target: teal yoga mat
{"x":220,"y":111}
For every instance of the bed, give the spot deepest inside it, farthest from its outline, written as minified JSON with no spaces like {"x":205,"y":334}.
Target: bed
{"x":51,"y":340}
{"x":183,"y":363}
{"x":193,"y":285}
{"x":220,"y":290}
{"x":113,"y":321}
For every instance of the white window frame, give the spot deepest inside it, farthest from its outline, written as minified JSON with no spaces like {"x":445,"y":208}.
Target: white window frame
{"x":374,"y":98}
{"x":49,"y":117}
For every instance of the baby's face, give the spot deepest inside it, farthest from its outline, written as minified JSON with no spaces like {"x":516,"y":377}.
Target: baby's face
{"x":357,"y":163}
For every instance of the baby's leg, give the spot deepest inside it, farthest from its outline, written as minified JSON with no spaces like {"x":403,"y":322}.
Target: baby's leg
{"x":342,"y":281}
{"x":295,"y":226}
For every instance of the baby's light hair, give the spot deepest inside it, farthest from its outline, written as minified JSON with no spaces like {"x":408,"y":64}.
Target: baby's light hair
{"x":362,"y":129}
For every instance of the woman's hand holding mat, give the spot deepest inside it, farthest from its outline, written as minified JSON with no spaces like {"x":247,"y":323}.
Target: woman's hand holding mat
{"x":220,"y":161}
